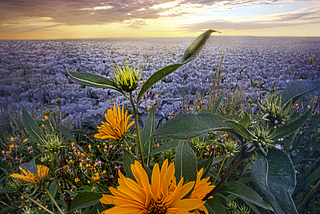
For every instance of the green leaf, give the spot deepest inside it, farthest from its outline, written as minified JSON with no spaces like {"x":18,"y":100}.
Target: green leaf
{"x":239,"y":129}
{"x":166,"y":146}
{"x":244,"y":192}
{"x":67,"y":133}
{"x":299,"y":89}
{"x":311,"y":58}
{"x":186,"y":126}
{"x":185,"y":163}
{"x":196,"y":46}
{"x":85,"y":199}
{"x":217,"y":104}
{"x":6,"y":190}
{"x":31,"y":166}
{"x":214,"y":206}
{"x":146,"y":141}
{"x":93,"y":80}
{"x":157,"y":76}
{"x":53,"y":188}
{"x":290,"y":127}
{"x":206,"y":165}
{"x":129,"y":159}
{"x":32,"y":127}
{"x":275,"y":177}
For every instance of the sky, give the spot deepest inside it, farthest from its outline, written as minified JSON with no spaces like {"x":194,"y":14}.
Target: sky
{"x":71,"y":19}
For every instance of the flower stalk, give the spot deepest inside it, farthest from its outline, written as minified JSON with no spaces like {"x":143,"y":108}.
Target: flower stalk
{"x":40,"y":205}
{"x":135,"y":112}
{"x":54,"y":202}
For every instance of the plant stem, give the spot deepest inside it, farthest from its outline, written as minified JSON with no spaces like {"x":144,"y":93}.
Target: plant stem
{"x":55,"y":203}
{"x":135,"y":111}
{"x":225,"y":156}
{"x":57,"y":183}
{"x":226,"y":176}
{"x":40,"y":205}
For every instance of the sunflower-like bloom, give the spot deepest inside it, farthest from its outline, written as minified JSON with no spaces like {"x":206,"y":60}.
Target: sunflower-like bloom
{"x":42,"y":172}
{"x":116,"y":125}
{"x":201,"y":189}
{"x":143,"y":197}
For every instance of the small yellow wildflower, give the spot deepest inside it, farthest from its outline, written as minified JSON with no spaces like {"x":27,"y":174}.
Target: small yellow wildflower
{"x":13,"y":139}
{"x":89,"y":182}
{"x":148,"y":108}
{"x":89,"y":146}
{"x":25,"y":140}
{"x":104,"y":172}
{"x":308,"y":106}
{"x":11,"y":146}
{"x":46,"y":117}
{"x":76,"y":180}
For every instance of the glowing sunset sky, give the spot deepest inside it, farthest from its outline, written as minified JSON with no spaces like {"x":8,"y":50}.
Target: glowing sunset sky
{"x":70,"y":19}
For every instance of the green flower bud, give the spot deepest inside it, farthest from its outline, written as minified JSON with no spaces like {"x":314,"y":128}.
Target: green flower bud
{"x":127,"y":78}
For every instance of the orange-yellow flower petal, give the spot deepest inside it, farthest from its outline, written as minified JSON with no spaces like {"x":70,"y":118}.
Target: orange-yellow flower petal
{"x":116,"y":125}
{"x":42,"y":172}
{"x":143,"y":197}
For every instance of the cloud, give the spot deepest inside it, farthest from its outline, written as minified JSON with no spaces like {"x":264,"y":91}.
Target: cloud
{"x":296,"y":14}
{"x":84,"y":12}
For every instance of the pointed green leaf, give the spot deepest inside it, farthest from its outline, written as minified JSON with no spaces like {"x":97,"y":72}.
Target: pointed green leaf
{"x":214,"y":206}
{"x":186,"y":126}
{"x":6,"y":190}
{"x":129,"y":159}
{"x":146,"y":141}
{"x":53,"y":188}
{"x":196,"y":46}
{"x":275,"y":177}
{"x":86,"y":199}
{"x":217,"y":103}
{"x":93,"y":80}
{"x":291,"y":127}
{"x":157,"y":76}
{"x":185,"y":163}
{"x":32,"y":127}
{"x":206,"y":165}
{"x":165,"y":147}
{"x":31,"y":166}
{"x":239,"y":129}
{"x":67,"y":133}
{"x":299,"y":89}
{"x":311,"y":58}
{"x":244,"y":192}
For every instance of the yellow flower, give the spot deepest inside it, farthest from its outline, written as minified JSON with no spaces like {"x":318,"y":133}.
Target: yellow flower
{"x":42,"y":172}
{"x":46,"y":117}
{"x":13,"y":139}
{"x":116,"y":125}
{"x":11,"y":146}
{"x":155,"y":197}
{"x":76,"y":180}
{"x":25,"y":140}
{"x":201,"y":189}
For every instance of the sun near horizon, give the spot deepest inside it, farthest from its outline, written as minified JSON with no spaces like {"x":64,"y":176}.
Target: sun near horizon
{"x":50,"y":20}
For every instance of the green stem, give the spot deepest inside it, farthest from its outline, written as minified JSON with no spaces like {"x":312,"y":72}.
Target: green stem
{"x":59,"y":188}
{"x":135,"y":111}
{"x":55,"y":203}
{"x":214,"y":182}
{"x":241,"y":157}
{"x":40,"y":205}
